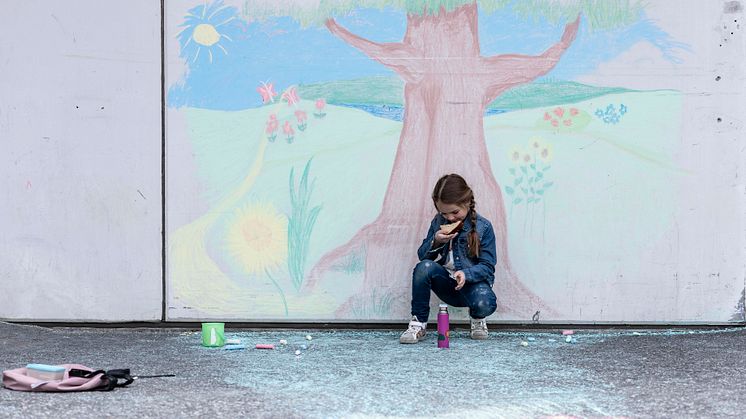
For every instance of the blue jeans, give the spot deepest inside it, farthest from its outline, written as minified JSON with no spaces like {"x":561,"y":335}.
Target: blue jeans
{"x":429,"y":275}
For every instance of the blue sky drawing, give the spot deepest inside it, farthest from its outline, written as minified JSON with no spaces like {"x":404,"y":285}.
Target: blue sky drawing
{"x":278,"y":50}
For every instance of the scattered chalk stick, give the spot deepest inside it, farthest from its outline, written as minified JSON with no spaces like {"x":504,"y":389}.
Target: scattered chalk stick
{"x":297,"y":352}
{"x":567,"y":332}
{"x":265,"y":346}
{"x":568,"y":339}
{"x":308,"y":337}
{"x":524,"y":343}
{"x":234,"y":347}
{"x":233,"y":341}
{"x":283,"y":342}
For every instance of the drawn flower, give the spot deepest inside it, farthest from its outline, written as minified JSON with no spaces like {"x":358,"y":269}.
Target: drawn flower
{"x":257,"y":237}
{"x":320,"y":104}
{"x":547,"y":117}
{"x":289,"y":132}
{"x":272,"y":125}
{"x":559,"y":112}
{"x":536,"y":143}
{"x":301,"y":116}
{"x":291,"y":95}
{"x":515,"y":154}
{"x":610,"y":115}
{"x":574,"y":111}
{"x":287,"y":129}
{"x":546,"y":154}
{"x":527,"y":158}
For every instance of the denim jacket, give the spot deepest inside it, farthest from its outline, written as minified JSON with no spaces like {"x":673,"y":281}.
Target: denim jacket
{"x":476,"y":269}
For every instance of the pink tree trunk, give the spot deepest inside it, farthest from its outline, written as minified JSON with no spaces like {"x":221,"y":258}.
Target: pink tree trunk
{"x":448,"y":85}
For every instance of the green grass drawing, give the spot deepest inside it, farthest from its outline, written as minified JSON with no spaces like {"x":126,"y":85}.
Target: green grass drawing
{"x":279,"y":290}
{"x":376,"y":305}
{"x":352,"y":263}
{"x":300,"y":225}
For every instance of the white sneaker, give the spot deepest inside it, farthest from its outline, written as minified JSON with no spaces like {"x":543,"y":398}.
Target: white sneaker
{"x":479,"y":329}
{"x":414,"y":333}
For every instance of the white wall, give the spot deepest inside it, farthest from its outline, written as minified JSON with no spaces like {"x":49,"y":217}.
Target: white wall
{"x":80,"y":141}
{"x":80,"y":151}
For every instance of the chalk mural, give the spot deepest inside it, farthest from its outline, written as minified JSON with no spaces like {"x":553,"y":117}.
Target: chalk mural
{"x":304,"y":138}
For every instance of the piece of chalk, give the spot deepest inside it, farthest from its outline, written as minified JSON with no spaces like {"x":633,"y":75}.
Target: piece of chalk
{"x":568,"y":339}
{"x":234,"y":347}
{"x":308,"y":337}
{"x":524,"y":343}
{"x":283,"y":342}
{"x":531,"y":339}
{"x":304,"y":347}
{"x":265,"y":346}
{"x":567,"y":332}
{"x":233,"y":341}
{"x":297,"y":351}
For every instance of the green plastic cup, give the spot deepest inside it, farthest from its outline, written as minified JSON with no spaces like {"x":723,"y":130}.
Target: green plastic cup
{"x":213,"y":334}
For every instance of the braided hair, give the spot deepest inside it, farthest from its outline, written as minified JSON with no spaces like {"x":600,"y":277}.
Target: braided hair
{"x":452,"y":189}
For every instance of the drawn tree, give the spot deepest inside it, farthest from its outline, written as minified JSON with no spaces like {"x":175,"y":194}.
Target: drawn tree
{"x":447,"y":87}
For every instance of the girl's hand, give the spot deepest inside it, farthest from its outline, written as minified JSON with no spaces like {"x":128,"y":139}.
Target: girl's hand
{"x":460,"y":278}
{"x":441,"y":238}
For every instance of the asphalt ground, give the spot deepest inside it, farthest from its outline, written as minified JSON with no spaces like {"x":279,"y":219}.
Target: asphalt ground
{"x":340,"y":373}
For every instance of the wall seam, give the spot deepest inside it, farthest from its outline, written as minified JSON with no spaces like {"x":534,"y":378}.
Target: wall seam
{"x":163,"y":162}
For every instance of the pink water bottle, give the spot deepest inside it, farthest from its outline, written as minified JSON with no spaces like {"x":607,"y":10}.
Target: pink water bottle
{"x":443,"y":332}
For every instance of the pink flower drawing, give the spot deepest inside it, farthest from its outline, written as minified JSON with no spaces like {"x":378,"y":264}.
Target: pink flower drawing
{"x":267,"y":91}
{"x":320,"y":104}
{"x":271,"y":129}
{"x":291,"y":95}
{"x":302,"y":117}
{"x":289,"y":132}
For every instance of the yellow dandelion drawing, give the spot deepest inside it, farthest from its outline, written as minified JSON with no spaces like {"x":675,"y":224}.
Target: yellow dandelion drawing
{"x":257,"y":237}
{"x":546,"y":153}
{"x":515,"y":154}
{"x":536,"y":143}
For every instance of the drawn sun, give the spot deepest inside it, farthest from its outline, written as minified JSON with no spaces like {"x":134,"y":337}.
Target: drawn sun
{"x":205,"y":31}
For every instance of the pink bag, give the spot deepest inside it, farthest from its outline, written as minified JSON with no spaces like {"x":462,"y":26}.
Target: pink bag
{"x":76,"y":378}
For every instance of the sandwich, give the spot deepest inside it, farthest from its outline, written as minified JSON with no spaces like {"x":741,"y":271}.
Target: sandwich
{"x":451,"y":228}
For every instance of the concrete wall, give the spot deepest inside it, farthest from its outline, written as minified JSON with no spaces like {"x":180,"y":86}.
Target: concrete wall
{"x":80,"y":129}
{"x":284,"y":152}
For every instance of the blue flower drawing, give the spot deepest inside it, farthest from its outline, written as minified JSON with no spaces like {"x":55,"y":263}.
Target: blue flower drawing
{"x":611,"y":115}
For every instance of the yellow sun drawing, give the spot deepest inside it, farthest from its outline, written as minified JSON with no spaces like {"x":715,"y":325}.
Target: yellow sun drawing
{"x":257,"y":237}
{"x":201,"y":29}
